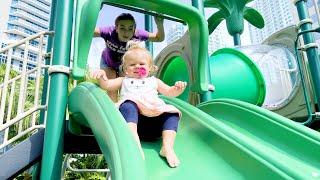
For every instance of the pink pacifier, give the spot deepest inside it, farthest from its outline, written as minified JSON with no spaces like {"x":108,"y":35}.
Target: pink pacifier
{"x":142,"y":72}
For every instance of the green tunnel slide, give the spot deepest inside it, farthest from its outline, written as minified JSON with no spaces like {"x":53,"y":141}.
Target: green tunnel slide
{"x":219,"y":139}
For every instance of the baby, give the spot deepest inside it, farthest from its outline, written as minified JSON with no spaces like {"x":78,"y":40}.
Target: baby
{"x":140,"y":102}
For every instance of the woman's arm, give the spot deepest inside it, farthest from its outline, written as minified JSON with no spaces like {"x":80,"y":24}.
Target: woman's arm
{"x":96,"y":32}
{"x":171,"y":91}
{"x":159,"y":35}
{"x":110,"y":84}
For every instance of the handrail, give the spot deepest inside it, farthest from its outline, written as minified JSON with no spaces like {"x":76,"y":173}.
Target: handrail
{"x":306,"y":95}
{"x":11,"y":101}
{"x":67,"y":165}
{"x":25,"y":40}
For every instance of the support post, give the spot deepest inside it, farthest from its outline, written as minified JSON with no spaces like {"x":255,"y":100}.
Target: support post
{"x":236,"y":39}
{"x":149,"y":27}
{"x":207,"y":95}
{"x":312,"y":52}
{"x":53,"y":140}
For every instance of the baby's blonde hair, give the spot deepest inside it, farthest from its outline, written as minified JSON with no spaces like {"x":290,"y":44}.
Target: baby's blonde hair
{"x":133,"y":48}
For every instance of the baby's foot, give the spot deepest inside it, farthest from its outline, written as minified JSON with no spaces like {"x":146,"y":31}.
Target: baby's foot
{"x":171,"y":157}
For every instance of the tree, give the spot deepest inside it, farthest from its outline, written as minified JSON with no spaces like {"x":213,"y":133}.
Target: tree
{"x":234,"y":12}
{"x":87,"y":161}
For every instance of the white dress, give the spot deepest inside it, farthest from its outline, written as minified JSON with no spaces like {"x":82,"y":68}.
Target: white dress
{"x":144,"y":93}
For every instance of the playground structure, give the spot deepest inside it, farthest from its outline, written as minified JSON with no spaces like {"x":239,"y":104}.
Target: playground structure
{"x":224,"y":133}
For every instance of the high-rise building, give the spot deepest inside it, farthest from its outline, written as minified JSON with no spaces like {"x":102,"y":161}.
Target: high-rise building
{"x":20,"y":19}
{"x":175,"y":32}
{"x":313,"y":7}
{"x":219,"y":38}
{"x":277,"y":15}
{"x":312,"y":11}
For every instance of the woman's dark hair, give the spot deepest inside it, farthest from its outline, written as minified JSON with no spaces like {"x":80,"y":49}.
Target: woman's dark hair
{"x":125,"y":16}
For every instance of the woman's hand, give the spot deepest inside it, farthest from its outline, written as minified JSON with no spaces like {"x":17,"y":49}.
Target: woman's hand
{"x":159,"y":21}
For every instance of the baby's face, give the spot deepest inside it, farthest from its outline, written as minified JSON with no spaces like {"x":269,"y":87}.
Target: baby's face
{"x":125,"y":30}
{"x":137,"y":67}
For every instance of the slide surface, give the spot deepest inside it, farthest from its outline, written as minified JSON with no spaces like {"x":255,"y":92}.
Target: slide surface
{"x":222,"y":139}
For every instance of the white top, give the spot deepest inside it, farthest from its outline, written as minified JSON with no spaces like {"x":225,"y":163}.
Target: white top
{"x":145,"y":94}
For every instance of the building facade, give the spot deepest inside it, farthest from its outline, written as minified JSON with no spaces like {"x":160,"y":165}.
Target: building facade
{"x":219,"y":38}
{"x":20,"y":19}
{"x":277,"y":15}
{"x":175,"y":32}
{"x":313,"y":7}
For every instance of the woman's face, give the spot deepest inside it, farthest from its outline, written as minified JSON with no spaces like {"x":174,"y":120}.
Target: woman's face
{"x":125,"y":30}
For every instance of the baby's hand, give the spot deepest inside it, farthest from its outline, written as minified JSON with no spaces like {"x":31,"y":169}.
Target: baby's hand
{"x":180,"y":85}
{"x":97,"y":74}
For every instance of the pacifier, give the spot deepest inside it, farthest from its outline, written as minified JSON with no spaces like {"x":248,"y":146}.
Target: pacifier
{"x":142,"y":72}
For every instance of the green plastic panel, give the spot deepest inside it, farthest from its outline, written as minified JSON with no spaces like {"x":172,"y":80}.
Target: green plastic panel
{"x":90,"y":106}
{"x":236,"y":76}
{"x":176,"y":70}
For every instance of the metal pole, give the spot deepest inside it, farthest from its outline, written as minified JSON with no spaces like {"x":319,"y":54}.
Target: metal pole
{"x":312,"y":52}
{"x":54,"y":135}
{"x":236,"y":39}
{"x":47,"y":60}
{"x":37,"y":167}
{"x":199,"y":5}
{"x":149,"y":27}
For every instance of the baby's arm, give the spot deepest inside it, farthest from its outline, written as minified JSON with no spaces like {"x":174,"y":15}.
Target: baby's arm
{"x":110,"y":84}
{"x":171,"y":91}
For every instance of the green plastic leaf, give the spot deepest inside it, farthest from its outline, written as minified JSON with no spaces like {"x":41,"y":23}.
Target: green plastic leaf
{"x":253,"y":17}
{"x":211,"y":3}
{"x":215,"y":20}
{"x":219,"y":5}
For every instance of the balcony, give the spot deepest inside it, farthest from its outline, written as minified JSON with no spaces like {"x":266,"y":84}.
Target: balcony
{"x":29,"y":9}
{"x":27,"y":16}
{"x":16,"y":31}
{"x":47,"y":2}
{"x":38,"y":4}
{"x":28,"y":25}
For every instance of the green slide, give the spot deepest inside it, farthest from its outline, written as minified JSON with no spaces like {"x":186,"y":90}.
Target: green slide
{"x":232,"y":140}
{"x":90,"y":106}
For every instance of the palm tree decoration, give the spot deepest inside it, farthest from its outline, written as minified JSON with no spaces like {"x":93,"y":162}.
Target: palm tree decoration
{"x":233,"y":11}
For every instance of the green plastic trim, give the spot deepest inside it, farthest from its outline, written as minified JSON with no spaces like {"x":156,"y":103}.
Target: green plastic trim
{"x":86,"y":16}
{"x":90,"y":106}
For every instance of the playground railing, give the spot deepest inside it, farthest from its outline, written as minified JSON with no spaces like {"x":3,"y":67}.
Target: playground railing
{"x":21,"y":88}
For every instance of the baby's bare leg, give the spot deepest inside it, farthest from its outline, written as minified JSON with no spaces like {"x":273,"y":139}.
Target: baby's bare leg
{"x":133,"y":128}
{"x":112,"y":74}
{"x":167,"y":151}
